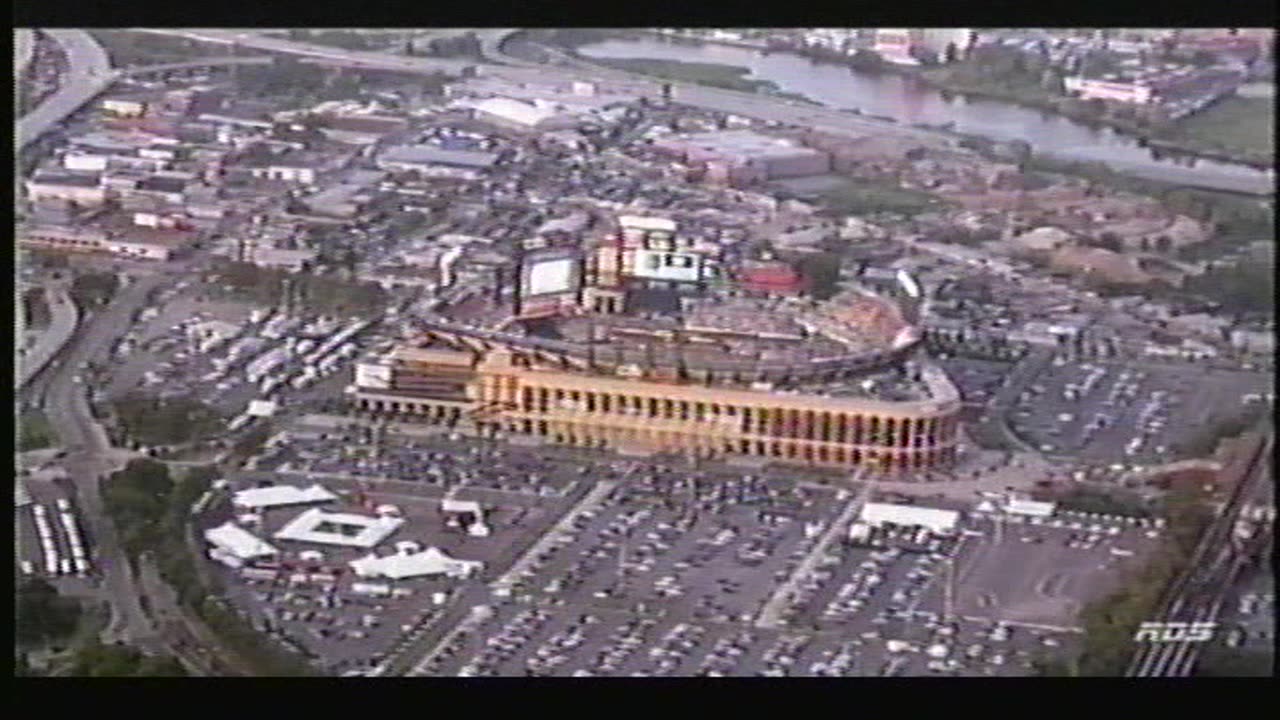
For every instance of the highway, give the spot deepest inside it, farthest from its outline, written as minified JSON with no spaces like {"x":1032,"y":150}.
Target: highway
{"x":1198,"y":595}
{"x":88,"y":75}
{"x":354,"y":58}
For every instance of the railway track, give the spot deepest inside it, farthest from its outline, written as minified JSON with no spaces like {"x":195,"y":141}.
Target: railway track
{"x":1197,"y":595}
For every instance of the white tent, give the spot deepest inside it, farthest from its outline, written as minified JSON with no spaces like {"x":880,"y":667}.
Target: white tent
{"x":1034,"y":508}
{"x":261,"y":408}
{"x":460,"y":506}
{"x":238,"y":542}
{"x":280,"y":495}
{"x":399,"y":566}
{"x":938,"y":521}
{"x":347,"y":529}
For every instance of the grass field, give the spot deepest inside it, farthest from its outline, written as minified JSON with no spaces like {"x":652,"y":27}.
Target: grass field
{"x":858,"y":197}
{"x":1235,"y":124}
{"x":729,"y":77}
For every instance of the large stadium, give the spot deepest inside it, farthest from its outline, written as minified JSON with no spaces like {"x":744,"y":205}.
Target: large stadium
{"x":643,"y":343}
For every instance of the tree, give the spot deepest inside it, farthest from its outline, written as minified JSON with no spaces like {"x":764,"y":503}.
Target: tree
{"x":42,"y":616}
{"x":822,"y":270}
{"x":94,"y":289}
{"x":98,"y":660}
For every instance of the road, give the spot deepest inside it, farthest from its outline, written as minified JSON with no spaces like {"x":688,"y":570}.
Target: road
{"x":88,"y":75}
{"x":89,"y":451}
{"x":771,"y":613}
{"x":62,"y":325}
{"x":90,"y":455}
{"x":1198,"y":595}
{"x":354,"y":58}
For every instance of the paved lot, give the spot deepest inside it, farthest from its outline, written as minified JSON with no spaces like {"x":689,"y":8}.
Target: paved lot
{"x":157,"y":357}
{"x":45,"y":489}
{"x":1060,"y":568}
{"x":1097,"y":412}
{"x":342,"y":629}
{"x":667,"y":573}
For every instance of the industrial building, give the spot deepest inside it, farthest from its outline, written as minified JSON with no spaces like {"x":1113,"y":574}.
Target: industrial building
{"x":137,"y":242}
{"x":538,"y":115}
{"x":741,"y":157}
{"x":426,"y":157}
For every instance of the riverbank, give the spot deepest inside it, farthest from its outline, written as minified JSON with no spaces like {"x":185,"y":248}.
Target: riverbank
{"x":725,"y":77}
{"x":1232,"y":130}
{"x":1200,"y":135}
{"x":1243,"y":126}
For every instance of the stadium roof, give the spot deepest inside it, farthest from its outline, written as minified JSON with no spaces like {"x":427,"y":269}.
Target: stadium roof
{"x":239,"y":542}
{"x":348,"y":529}
{"x":278,"y":495}
{"x":406,"y":565}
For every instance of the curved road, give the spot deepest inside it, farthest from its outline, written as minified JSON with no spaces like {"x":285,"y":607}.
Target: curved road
{"x":89,"y":73}
{"x":371,"y":60}
{"x":90,"y":455}
{"x":62,"y":325}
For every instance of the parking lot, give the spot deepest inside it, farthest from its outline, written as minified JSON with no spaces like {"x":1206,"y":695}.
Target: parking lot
{"x":315,"y":602}
{"x":1101,"y":412}
{"x":51,"y":552}
{"x":1064,"y":562}
{"x":655,"y":569}
{"x":429,"y":460}
{"x":160,"y":355}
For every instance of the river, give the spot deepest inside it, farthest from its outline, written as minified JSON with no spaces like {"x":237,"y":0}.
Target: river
{"x":909,"y":101}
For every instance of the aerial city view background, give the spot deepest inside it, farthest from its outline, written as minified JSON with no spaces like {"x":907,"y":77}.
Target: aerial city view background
{"x":649,"y":352}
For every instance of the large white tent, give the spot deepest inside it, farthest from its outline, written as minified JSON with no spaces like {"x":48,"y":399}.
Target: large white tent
{"x":1033,"y":508}
{"x":281,"y":495}
{"x":240,"y":543}
{"x":344,"y":529}
{"x":936,"y":520}
{"x":401,"y":565}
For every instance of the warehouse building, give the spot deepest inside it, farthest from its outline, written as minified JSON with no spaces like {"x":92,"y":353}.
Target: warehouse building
{"x":740,"y":157}
{"x":536,"y":116}
{"x":427,"y":157}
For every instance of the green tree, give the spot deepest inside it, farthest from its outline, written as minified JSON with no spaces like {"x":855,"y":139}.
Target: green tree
{"x":43,"y":616}
{"x":98,"y":660}
{"x":93,"y":289}
{"x":822,"y":270}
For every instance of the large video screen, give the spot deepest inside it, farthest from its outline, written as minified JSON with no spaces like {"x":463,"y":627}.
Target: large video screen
{"x":552,"y":271}
{"x":550,"y":276}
